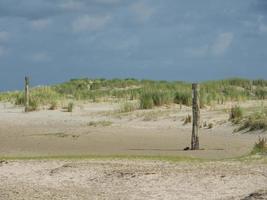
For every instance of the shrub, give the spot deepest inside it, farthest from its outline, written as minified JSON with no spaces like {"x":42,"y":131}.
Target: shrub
{"x":33,"y":104}
{"x":70,"y":107}
{"x":100,"y":123}
{"x":184,"y":98}
{"x":257,"y":121}
{"x":210,"y":126}
{"x":19,"y":99}
{"x":188,"y":119}
{"x":260,"y":146}
{"x":128,"y":107}
{"x":53,"y":105}
{"x":261,"y":93}
{"x":146,"y":101}
{"x":236,"y":114}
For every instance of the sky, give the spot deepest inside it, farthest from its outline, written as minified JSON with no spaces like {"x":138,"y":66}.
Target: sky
{"x":53,"y":41}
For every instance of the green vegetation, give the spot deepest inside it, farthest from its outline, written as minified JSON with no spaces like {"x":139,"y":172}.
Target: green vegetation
{"x":210,"y":125}
{"x":70,"y":107}
{"x":260,"y":147}
{"x":100,"y":123}
{"x":236,"y":114}
{"x":53,"y":105}
{"x":184,"y":98}
{"x":33,"y":104}
{"x":255,"y":121}
{"x":128,"y":107}
{"x":151,"y":98}
{"x":147,"y":92}
{"x":146,"y":101}
{"x":188,"y":119}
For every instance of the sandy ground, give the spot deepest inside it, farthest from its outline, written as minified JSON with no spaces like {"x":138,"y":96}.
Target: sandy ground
{"x":158,"y":132}
{"x":132,"y":180}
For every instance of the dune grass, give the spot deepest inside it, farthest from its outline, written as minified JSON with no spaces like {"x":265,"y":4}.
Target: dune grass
{"x":236,"y":114}
{"x":102,"y":123}
{"x":260,"y":146}
{"x":257,"y":120}
{"x":148,"y":92}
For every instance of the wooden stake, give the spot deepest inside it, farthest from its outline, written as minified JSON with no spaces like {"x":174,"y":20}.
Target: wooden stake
{"x":26,"y":100}
{"x":196,"y":116}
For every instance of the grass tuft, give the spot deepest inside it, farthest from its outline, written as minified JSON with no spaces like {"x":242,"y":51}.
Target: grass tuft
{"x":254,"y":122}
{"x":188,"y":119}
{"x":70,"y":107}
{"x":53,"y":105}
{"x":146,"y":101}
{"x":99,"y":123}
{"x":236,"y":114}
{"x":128,"y":107}
{"x":260,"y":147}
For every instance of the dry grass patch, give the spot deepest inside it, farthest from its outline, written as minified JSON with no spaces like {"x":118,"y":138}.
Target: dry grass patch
{"x":103,"y":123}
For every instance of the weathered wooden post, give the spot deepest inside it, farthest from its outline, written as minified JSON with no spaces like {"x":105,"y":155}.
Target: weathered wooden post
{"x":26,"y":99}
{"x":196,"y":116}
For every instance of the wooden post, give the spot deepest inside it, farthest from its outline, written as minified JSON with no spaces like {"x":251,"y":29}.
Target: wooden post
{"x":26,"y":100}
{"x":196,"y":116}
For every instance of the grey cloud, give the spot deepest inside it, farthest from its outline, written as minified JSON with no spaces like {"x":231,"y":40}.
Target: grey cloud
{"x":90,"y":23}
{"x":35,"y":9}
{"x":260,"y":6}
{"x":59,"y":39}
{"x":4,"y":36}
{"x":30,"y":9}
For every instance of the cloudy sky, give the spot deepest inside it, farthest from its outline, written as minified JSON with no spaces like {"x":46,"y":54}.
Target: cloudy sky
{"x":192,"y":40}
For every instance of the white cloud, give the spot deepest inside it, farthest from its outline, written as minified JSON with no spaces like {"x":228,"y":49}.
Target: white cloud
{"x":4,"y":36}
{"x":40,"y":57}
{"x":222,"y":43}
{"x":40,"y":24}
{"x":142,"y":11}
{"x":90,"y":23}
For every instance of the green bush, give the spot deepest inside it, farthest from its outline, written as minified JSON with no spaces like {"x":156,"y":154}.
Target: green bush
{"x":260,"y":146}
{"x":128,"y":107}
{"x":149,"y":99}
{"x":210,"y":125}
{"x":146,"y":101}
{"x":257,"y":121}
{"x":33,"y":104}
{"x":161,"y":98}
{"x":236,"y":114}
{"x":53,"y":105}
{"x":99,"y":123}
{"x":19,"y":99}
{"x":184,"y":98}
{"x":70,"y":107}
{"x":261,"y":93}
